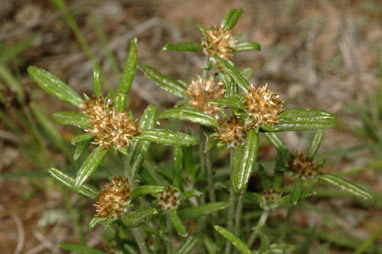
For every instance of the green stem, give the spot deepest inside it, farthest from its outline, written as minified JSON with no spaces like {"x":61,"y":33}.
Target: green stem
{"x":231,"y":210}
{"x":238,"y":214}
{"x":286,"y":224}
{"x":138,"y":232}
{"x":260,"y":224}
{"x":170,"y":247}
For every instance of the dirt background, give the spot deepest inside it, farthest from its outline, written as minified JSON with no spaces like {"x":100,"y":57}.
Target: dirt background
{"x":316,"y":54}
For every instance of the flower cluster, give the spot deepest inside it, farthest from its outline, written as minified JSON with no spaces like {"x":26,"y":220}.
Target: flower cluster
{"x":219,"y":42}
{"x":110,"y":127}
{"x":302,"y":166}
{"x":262,"y":105}
{"x":113,"y":199}
{"x":202,"y":91}
{"x":169,"y":199}
{"x":232,"y":132}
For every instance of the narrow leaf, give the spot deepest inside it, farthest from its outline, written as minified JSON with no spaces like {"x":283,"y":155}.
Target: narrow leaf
{"x":345,"y":185}
{"x":316,"y":142}
{"x":276,"y":141}
{"x":54,"y":86}
{"x":80,"y":249}
{"x":139,"y":148}
{"x":97,"y":86}
{"x":231,"y":18}
{"x":128,"y":72}
{"x":190,"y":193}
{"x":166,"y":83}
{"x":68,"y":181}
{"x":296,"y":191}
{"x":247,"y":46}
{"x":81,"y":148}
{"x":265,"y":183}
{"x":183,"y":46}
{"x":190,"y":115}
{"x":95,"y":221}
{"x":240,"y":175}
{"x":302,"y":119}
{"x":233,"y":72}
{"x":188,"y":245}
{"x":168,"y":137}
{"x":247,"y":72}
{"x":177,"y":223}
{"x":137,"y":218}
{"x":82,"y":137}
{"x":89,"y":166}
{"x":196,"y":212}
{"x":71,"y":118}
{"x":240,"y":245}
{"x":178,"y":165}
{"x":232,"y":102}
{"x":146,"y":190}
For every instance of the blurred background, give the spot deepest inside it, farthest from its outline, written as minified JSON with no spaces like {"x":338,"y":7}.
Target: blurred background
{"x":315,"y":54}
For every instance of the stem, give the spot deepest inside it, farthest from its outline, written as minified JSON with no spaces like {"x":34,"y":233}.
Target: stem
{"x":260,"y":224}
{"x":138,"y":232}
{"x":239,"y":210}
{"x":170,"y":246}
{"x":231,"y":210}
{"x":286,"y":224}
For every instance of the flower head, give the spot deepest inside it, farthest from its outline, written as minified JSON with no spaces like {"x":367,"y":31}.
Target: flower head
{"x":302,"y":166}
{"x":219,"y":42}
{"x":262,"y":105}
{"x":202,"y":91}
{"x":232,"y":131}
{"x":110,"y":127}
{"x":169,"y":199}
{"x":113,"y":199}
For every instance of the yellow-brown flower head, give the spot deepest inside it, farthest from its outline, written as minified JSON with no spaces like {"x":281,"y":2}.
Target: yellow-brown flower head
{"x":219,"y":42}
{"x":262,"y":105}
{"x":202,"y":91}
{"x":232,"y":132}
{"x":302,"y":166}
{"x":169,"y":199}
{"x":271,"y":195}
{"x":113,"y":199}
{"x":111,"y":128}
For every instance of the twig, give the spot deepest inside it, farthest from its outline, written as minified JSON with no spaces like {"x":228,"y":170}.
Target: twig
{"x":20,"y":234}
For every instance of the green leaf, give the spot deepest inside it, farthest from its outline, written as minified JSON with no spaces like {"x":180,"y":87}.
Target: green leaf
{"x":178,"y":165}
{"x":316,"y":142}
{"x":94,"y":221}
{"x":97,"y":86}
{"x":247,"y":46}
{"x":276,"y":141}
{"x":177,"y":223}
{"x":302,"y":119}
{"x":54,"y":86}
{"x":81,"y":148}
{"x":190,"y":115}
{"x":232,"y":102}
{"x":68,"y":181}
{"x":190,"y":193}
{"x":137,"y":218}
{"x":247,"y":72}
{"x":196,"y":212}
{"x":240,"y":175}
{"x":146,"y":190}
{"x":183,"y":46}
{"x":210,"y":245}
{"x":120,"y":102}
{"x":231,"y":18}
{"x":296,"y":191}
{"x":345,"y":185}
{"x":188,"y":245}
{"x":128,"y":73}
{"x":166,"y":83}
{"x":89,"y":166}
{"x":81,"y":137}
{"x":233,"y":72}
{"x":71,"y":118}
{"x":81,"y":249}
{"x":168,"y":137}
{"x":240,"y":245}
{"x":139,"y":148}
